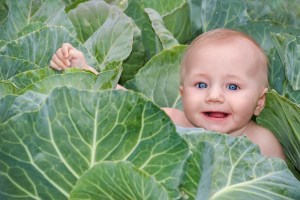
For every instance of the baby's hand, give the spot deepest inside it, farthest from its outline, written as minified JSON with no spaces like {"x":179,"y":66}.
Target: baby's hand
{"x":68,"y":56}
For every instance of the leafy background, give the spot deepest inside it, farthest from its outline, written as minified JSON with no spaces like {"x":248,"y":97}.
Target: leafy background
{"x":67,"y":135}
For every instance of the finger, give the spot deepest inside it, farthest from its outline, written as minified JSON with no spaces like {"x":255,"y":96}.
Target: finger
{"x":54,"y":65}
{"x":58,"y":62}
{"x":66,"y":47}
{"x":61,"y":57}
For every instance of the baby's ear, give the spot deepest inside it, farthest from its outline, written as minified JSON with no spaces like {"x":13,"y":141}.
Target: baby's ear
{"x":180,"y":90}
{"x":261,"y":102}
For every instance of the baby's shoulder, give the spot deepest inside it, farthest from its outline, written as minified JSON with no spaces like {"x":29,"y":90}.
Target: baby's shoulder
{"x":260,"y":135}
{"x":266,"y":140}
{"x":177,"y":116}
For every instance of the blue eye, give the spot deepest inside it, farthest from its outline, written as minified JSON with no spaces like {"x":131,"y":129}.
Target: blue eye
{"x":232,"y":87}
{"x":201,"y":85}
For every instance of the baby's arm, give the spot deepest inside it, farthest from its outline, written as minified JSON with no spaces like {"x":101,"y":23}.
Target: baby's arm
{"x":68,"y":56}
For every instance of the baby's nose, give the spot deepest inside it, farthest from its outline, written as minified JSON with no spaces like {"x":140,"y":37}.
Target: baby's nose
{"x":215,"y":95}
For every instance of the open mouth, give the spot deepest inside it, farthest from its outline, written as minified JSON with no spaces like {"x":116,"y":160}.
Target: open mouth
{"x":216,"y":114}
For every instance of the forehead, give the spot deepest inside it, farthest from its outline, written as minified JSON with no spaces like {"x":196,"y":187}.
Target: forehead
{"x":238,"y":52}
{"x":235,"y":56}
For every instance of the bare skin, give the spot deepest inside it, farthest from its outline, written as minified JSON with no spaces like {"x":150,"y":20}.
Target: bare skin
{"x":67,"y":56}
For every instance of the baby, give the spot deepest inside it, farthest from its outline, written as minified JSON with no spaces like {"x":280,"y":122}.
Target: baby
{"x":223,"y":83}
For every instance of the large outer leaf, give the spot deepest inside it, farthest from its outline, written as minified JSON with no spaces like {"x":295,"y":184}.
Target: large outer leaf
{"x":159,"y":78}
{"x":19,"y":15}
{"x":127,"y":182}
{"x":44,"y":153}
{"x":233,"y":168}
{"x":282,"y":117}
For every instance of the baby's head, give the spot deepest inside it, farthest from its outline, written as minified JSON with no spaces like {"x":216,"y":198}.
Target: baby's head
{"x":224,"y":78}
{"x":222,"y":36}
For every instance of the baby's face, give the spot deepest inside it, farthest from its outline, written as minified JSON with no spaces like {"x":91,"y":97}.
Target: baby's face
{"x":223,"y":86}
